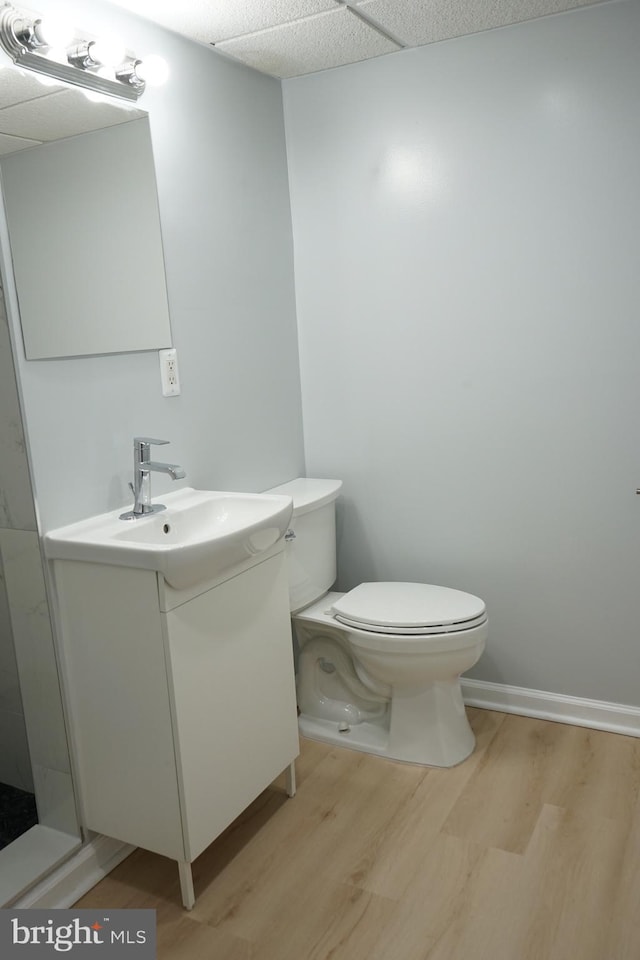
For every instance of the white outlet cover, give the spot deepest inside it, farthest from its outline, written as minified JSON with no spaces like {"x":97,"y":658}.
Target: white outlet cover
{"x":169,"y":375}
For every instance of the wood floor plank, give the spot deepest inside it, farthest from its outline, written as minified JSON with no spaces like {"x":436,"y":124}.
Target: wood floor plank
{"x":460,"y":902}
{"x":389,"y":865}
{"x":186,"y":938}
{"x":567,"y":889}
{"x":307,"y":763}
{"x":449,"y":910}
{"x":341,"y":922}
{"x":503,"y":799}
{"x":623,"y":931}
{"x":594,"y":774}
{"x":142,"y":880}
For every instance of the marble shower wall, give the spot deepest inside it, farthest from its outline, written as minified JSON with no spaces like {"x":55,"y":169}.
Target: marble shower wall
{"x":15,"y":765}
{"x":16,"y":508}
{"x":33,"y":743}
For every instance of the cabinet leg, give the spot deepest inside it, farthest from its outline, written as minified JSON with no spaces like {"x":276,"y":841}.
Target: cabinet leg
{"x":290,"y":779}
{"x":186,"y":884}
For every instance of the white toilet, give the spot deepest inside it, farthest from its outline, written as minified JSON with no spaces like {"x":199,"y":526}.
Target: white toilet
{"x":378,"y":668}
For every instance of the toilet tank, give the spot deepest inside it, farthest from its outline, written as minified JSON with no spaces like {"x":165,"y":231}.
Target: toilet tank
{"x":311,"y":554}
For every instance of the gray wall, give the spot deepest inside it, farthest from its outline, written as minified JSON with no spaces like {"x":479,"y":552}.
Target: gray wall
{"x":218,"y":140}
{"x":465,"y":240}
{"x":466,"y":246}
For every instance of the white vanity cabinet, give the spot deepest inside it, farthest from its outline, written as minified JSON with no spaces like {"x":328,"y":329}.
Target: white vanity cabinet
{"x":182,"y":702}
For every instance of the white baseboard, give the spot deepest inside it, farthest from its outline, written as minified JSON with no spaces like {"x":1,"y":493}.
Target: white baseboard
{"x":598,"y":714}
{"x":76,"y":876}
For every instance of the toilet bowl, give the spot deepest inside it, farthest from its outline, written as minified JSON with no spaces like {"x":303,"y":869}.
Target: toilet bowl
{"x":378,"y":668}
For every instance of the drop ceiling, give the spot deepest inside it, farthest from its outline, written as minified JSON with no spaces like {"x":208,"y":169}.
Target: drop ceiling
{"x":288,"y":38}
{"x":283,"y":38}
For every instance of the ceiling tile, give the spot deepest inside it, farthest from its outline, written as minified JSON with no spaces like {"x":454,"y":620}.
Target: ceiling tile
{"x":213,"y":20}
{"x":17,"y":85}
{"x":12,"y":144}
{"x":416,"y":22}
{"x":317,"y":43}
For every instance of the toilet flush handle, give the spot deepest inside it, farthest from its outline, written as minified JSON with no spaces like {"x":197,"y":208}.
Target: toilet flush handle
{"x":289,"y":535}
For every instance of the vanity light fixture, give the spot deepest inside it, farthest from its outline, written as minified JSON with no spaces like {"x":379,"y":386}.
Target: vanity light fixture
{"x":96,"y":65}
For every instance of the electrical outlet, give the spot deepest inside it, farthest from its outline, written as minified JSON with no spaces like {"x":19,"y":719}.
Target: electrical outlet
{"x":169,"y":373}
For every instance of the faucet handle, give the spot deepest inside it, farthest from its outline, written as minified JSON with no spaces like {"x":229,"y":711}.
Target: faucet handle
{"x":148,"y":440}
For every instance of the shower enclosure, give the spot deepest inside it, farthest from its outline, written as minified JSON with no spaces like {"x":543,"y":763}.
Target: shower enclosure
{"x":18,"y":810}
{"x":38,"y":821}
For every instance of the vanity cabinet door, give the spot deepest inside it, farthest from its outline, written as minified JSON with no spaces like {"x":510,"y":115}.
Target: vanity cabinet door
{"x":116,"y":686}
{"x":233,"y":693}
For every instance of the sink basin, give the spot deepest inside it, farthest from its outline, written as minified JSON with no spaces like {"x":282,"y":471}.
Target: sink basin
{"x":200,"y":535}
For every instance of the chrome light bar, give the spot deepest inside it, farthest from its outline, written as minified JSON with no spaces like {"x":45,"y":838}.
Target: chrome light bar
{"x":23,"y":38}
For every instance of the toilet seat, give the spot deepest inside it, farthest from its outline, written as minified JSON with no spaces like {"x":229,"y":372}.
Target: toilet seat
{"x":409,"y":609}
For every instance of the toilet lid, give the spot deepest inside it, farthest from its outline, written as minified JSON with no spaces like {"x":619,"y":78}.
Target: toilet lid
{"x":408,"y":608}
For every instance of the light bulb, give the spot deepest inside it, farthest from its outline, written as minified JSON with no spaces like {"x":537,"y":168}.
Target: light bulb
{"x":54,"y":33}
{"x":153,"y":70}
{"x":109,"y":52}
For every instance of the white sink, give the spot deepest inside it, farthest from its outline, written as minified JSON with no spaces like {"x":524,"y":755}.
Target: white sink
{"x":200,"y":535}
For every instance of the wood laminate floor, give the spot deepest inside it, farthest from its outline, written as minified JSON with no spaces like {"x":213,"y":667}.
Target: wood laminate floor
{"x":529,"y":850}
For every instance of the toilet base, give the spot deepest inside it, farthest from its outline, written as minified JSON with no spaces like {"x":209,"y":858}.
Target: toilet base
{"x":368,"y":737}
{"x":430,"y":729}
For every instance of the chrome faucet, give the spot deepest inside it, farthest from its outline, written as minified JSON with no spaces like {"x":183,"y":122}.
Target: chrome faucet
{"x":142,"y":469}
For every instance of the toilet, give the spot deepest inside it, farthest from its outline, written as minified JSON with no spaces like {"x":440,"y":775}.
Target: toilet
{"x":378,"y":668}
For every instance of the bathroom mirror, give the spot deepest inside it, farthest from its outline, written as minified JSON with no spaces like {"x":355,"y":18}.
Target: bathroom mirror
{"x":84,"y":231}
{"x":79,"y":189}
